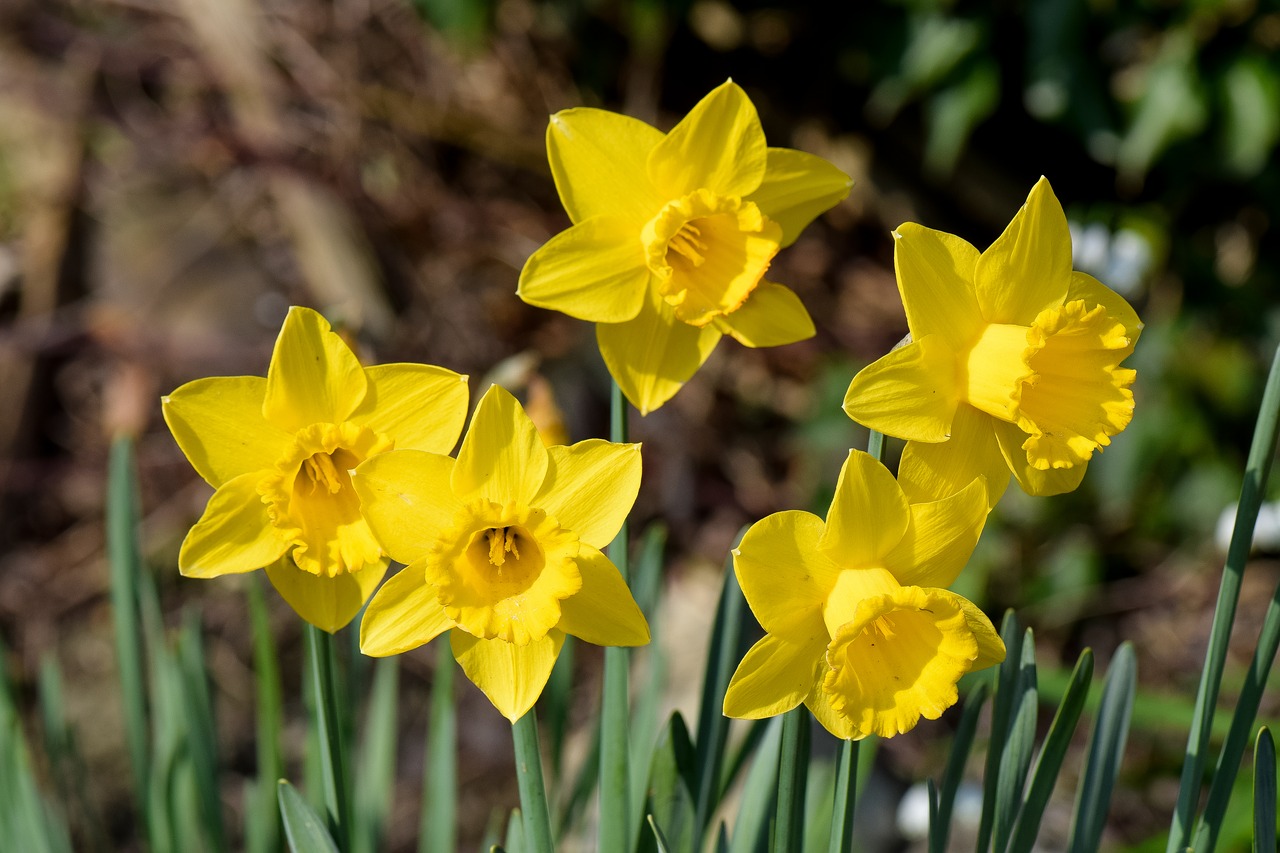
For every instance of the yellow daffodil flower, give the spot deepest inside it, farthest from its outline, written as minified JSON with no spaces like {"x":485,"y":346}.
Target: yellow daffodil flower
{"x":1013,"y":364}
{"x":278,"y":452}
{"x":502,"y":549}
{"x":858,"y":626}
{"x":672,"y":235}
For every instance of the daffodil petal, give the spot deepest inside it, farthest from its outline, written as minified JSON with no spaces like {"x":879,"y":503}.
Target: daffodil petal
{"x":1028,"y":267}
{"x":502,"y":458}
{"x":774,"y":677}
{"x":603,"y":612}
{"x":598,"y":161}
{"x":406,"y":499}
{"x":935,"y":278}
{"x":783,"y":576}
{"x":910,"y":393}
{"x":590,"y":487}
{"x":403,"y":615}
{"x":796,"y":188}
{"x":419,"y":406}
{"x":329,"y":603}
{"x":1093,"y":292}
{"x":868,"y":515}
{"x":719,"y":146}
{"x":653,"y":355}
{"x":594,"y":271}
{"x":314,"y":377}
{"x":1054,"y":481}
{"x":218,"y":423}
{"x":940,"y":538}
{"x":819,"y":704}
{"x":930,"y":472}
{"x":233,"y":535}
{"x":511,"y":676}
{"x":991,"y":648}
{"x":772,"y":316}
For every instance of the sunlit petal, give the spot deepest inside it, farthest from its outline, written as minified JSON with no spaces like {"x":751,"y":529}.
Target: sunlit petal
{"x":1093,"y":292}
{"x":590,"y":487}
{"x":910,"y":393}
{"x":930,"y":472}
{"x":935,"y":278}
{"x":595,"y":271}
{"x":403,"y":615}
{"x":1034,"y":481}
{"x":329,"y":603}
{"x":511,"y":676}
{"x":797,"y":187}
{"x":502,"y":458}
{"x":719,"y":145}
{"x":868,"y":514}
{"x":233,"y":535}
{"x":218,"y":423}
{"x":314,"y":377}
{"x":772,"y":316}
{"x":774,"y":677}
{"x":603,"y":611}
{"x":598,"y":161}
{"x":1028,"y":267}
{"x":406,"y":498}
{"x":419,"y":406}
{"x":940,"y":538}
{"x":783,"y":576}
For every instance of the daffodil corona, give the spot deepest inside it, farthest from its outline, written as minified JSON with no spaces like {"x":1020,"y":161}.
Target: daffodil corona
{"x":858,"y":625}
{"x":502,"y":550}
{"x":1013,"y":364}
{"x":278,"y":452}
{"x":672,"y":236}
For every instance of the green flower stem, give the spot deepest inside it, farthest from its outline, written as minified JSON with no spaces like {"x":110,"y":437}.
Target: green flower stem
{"x":615,"y":759}
{"x":1251,"y":492}
{"x":333,"y":766}
{"x":793,"y":771}
{"x":533,"y":790}
{"x":875,"y":445}
{"x":846,"y":795}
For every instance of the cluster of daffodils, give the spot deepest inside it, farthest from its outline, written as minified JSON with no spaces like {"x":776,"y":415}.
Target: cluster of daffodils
{"x":326,"y":471}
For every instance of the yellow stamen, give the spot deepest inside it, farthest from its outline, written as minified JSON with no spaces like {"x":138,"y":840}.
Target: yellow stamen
{"x":320,"y":470}
{"x":687,"y":244}
{"x":502,"y":541}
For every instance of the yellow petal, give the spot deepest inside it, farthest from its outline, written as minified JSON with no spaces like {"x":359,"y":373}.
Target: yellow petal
{"x":602,"y":612}
{"x":594,"y":271}
{"x":819,"y":704}
{"x":991,"y":648}
{"x":418,"y":406}
{"x":899,"y":660}
{"x":511,"y":676}
{"x":329,"y":603}
{"x":403,"y":615}
{"x":774,"y":677}
{"x":772,"y":316}
{"x":910,"y":393}
{"x":502,"y":458}
{"x":797,"y":187}
{"x":406,"y":498}
{"x":1028,"y":267}
{"x":718,"y":146}
{"x":218,"y":424}
{"x":314,"y":377}
{"x":590,"y":487}
{"x":940,"y":538}
{"x":930,"y":472}
{"x":1034,"y":481}
{"x":935,"y":278}
{"x":868,"y":514}
{"x":783,"y":576}
{"x":598,"y":161}
{"x":233,"y":535}
{"x":651,"y":356}
{"x":1093,"y":292}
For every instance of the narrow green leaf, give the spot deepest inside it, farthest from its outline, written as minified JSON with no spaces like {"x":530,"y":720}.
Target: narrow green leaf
{"x":713,"y":725}
{"x":303,"y":828}
{"x":262,"y":834}
{"x":533,"y":788}
{"x":1257,"y":469}
{"x":1106,"y":750}
{"x":660,"y":840}
{"x":556,"y":701}
{"x":1264,"y":793}
{"x":66,"y":762}
{"x":202,"y":730}
{"x":1049,"y":762}
{"x":645,"y":710}
{"x":125,"y":561}
{"x":957,"y":758}
{"x":819,"y":805}
{"x":669,"y":803}
{"x":845,"y":799}
{"x":333,"y":759}
{"x":743,"y":752}
{"x":793,"y":773}
{"x":375,"y":778}
{"x":439,"y":822}
{"x":751,"y":826}
{"x":1001,"y":718}
{"x":516,"y":828}
{"x":1019,"y":745}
